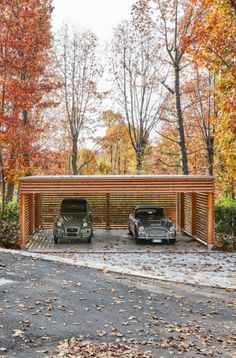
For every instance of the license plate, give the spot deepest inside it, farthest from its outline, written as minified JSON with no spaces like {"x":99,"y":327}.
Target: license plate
{"x":156,"y":241}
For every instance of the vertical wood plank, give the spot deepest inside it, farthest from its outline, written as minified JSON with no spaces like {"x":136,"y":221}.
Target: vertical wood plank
{"x":210,"y":219}
{"x":37,"y":211}
{"x":177,"y":212}
{"x":31,"y":214}
{"x":107,"y":211}
{"x":181,"y":211}
{"x":194,"y":214}
{"x":23,"y":219}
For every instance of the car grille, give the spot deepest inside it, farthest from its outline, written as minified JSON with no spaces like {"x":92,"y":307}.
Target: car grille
{"x":72,"y":231}
{"x":156,"y":232}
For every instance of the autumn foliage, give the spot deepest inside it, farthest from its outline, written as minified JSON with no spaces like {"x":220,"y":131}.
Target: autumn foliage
{"x":171,"y":106}
{"x":25,"y":41}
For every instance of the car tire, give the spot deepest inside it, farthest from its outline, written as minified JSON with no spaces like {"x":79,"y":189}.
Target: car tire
{"x":56,"y":240}
{"x":130,"y":232}
{"x":89,"y":239}
{"x":138,"y":241}
{"x":172,"y":241}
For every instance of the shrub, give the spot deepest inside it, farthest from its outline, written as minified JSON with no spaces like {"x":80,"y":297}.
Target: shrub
{"x":225,"y":218}
{"x":11,"y":212}
{"x":225,"y":225}
{"x":9,"y":234}
{"x":9,"y":226}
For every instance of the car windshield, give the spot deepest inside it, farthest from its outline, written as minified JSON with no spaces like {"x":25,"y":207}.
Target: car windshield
{"x":74,"y":207}
{"x":150,"y":213}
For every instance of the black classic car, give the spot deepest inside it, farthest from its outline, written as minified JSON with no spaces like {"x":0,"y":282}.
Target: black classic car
{"x":74,"y":221}
{"x":149,"y":223}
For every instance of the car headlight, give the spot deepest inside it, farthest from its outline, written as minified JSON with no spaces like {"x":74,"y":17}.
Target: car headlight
{"x":59,"y":224}
{"x":141,"y":229}
{"x":172,"y":230}
{"x":85,"y":224}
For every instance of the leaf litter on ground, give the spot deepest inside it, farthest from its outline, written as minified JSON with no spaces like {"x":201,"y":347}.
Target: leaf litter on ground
{"x":77,"y":348}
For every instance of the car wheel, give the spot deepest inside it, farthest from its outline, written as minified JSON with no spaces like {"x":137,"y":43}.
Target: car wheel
{"x":137,"y":240}
{"x":89,"y":239}
{"x":130,"y":232}
{"x":56,"y":239}
{"x":172,"y":241}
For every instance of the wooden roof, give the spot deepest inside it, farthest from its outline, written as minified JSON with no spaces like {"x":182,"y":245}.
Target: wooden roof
{"x":116,"y":184}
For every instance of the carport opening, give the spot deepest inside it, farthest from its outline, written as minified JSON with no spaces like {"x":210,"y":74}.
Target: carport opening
{"x":112,"y":198}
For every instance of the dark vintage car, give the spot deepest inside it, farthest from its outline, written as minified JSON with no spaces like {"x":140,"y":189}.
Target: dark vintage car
{"x":74,"y":221}
{"x":149,"y":223}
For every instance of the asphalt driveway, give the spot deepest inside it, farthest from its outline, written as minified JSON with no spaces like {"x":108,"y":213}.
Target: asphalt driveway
{"x":44,"y":302}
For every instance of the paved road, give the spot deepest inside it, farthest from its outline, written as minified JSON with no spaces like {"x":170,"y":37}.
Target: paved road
{"x":42,"y":303}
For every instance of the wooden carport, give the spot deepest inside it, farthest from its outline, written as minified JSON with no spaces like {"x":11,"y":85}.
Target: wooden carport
{"x":188,"y":200}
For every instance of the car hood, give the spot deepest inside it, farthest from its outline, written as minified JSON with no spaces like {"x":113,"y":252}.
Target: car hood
{"x":72,"y":219}
{"x":155,"y":223}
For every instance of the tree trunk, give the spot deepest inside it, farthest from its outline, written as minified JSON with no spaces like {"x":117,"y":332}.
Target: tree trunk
{"x":10,"y":191}
{"x":3,"y":184}
{"x":25,"y":154}
{"x":180,"y":122}
{"x":74,"y":154}
{"x":210,"y":155}
{"x":139,"y":160}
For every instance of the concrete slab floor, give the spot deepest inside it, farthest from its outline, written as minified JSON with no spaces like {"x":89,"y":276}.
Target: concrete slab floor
{"x":117,"y":241}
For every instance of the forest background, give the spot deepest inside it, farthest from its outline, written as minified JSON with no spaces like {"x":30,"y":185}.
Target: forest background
{"x":159,"y":99}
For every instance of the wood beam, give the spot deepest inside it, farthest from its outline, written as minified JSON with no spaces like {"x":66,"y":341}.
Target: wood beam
{"x":210,"y":220}
{"x":23,"y":219}
{"x":38,"y":214}
{"x":194,"y":214}
{"x":31,"y":214}
{"x":181,"y":212}
{"x":107,"y":211}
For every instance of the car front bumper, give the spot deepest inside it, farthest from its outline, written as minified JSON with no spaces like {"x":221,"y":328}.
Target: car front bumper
{"x":61,"y":233}
{"x":157,"y":238}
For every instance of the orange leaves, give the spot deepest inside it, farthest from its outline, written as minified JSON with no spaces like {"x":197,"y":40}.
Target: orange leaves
{"x":25,"y":40}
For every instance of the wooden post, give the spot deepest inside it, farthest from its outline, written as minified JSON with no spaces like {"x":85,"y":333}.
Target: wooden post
{"x":177,"y":212}
{"x":37,"y":211}
{"x":194,"y":214}
{"x":210,"y":220}
{"x":107,"y":211}
{"x":31,"y":214}
{"x":181,"y":211}
{"x":23,"y":219}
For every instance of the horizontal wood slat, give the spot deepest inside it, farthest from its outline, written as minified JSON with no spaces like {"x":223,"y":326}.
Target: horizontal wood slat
{"x":117,"y":184}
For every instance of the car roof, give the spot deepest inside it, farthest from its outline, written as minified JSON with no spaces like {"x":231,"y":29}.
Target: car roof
{"x":148,"y":207}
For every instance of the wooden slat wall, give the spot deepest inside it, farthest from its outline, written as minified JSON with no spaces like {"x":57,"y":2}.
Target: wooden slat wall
{"x":120,"y":207}
{"x":201,"y":224}
{"x":51,"y":208}
{"x":201,"y":215}
{"x":30,"y":217}
{"x":188,"y":213}
{"x":38,"y":211}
